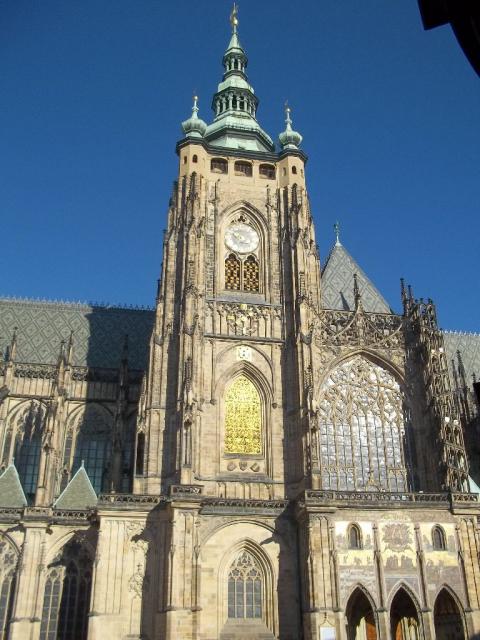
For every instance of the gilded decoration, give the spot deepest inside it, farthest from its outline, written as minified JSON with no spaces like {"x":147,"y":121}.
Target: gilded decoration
{"x":242,"y":418}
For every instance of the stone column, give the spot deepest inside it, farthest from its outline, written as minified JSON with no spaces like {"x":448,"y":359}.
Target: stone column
{"x":27,"y":609}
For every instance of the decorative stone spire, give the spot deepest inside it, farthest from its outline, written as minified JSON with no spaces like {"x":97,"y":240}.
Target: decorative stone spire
{"x":194,"y":127}
{"x":289,"y":139}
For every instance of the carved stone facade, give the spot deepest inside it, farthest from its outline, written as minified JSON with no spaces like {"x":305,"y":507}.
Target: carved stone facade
{"x":286,"y":459}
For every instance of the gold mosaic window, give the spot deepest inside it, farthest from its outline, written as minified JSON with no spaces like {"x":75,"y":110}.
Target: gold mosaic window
{"x":232,"y":273}
{"x":250,"y":275}
{"x":243,"y":419}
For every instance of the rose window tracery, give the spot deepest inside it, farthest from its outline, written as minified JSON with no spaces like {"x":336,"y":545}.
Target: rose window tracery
{"x":361,"y":429}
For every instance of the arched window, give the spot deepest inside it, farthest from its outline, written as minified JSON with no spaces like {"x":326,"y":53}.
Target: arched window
{"x":250,"y":275}
{"x":8,"y":569}
{"x":67,"y":595}
{"x":294,"y":170}
{"x":92,"y":446}
{"x":219,"y":165}
{"x":232,"y":273}
{"x":361,"y":429}
{"x":438,"y":538}
{"x":243,"y":418}
{"x":267,"y":171}
{"x":244,"y":588}
{"x":243,"y":168}
{"x":28,"y":447}
{"x":354,"y":537}
{"x":195,"y":158}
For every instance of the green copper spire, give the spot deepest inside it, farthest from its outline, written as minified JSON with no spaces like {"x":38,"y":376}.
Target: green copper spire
{"x":235,"y":105}
{"x":289,"y":139}
{"x":194,"y":127}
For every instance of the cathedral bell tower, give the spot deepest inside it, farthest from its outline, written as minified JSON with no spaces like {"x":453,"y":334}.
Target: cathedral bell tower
{"x":225,"y":409}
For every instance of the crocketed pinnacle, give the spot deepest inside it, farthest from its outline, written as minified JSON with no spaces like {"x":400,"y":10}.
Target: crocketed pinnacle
{"x":194,"y":127}
{"x":289,"y":139}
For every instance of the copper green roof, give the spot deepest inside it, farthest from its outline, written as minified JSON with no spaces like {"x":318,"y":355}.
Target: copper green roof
{"x":11,"y":492}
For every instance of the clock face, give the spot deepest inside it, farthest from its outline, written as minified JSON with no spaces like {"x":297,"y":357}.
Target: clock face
{"x":241,"y":237}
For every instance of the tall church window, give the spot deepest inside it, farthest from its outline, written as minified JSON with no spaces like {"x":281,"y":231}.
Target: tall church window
{"x":244,"y":588}
{"x":361,"y":434}
{"x":232,"y":273}
{"x":8,"y":568}
{"x":28,"y":447}
{"x":92,"y":446}
{"x":243,"y":419}
{"x":250,"y":275}
{"x":67,"y":595}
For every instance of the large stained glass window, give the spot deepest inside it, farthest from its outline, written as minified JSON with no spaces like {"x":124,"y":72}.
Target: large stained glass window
{"x":243,"y":418}
{"x":244,"y":588}
{"x":28,"y":447}
{"x":361,"y":435}
{"x":89,"y":441}
{"x":67,"y":595}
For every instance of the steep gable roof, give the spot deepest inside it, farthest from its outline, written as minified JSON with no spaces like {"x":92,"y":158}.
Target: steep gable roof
{"x":11,"y":491}
{"x":468,"y":344}
{"x":78,"y":494}
{"x":337,"y":284}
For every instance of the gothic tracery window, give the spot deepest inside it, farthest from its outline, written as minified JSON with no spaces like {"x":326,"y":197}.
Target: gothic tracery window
{"x":243,"y":418}
{"x":28,"y":444}
{"x":361,"y":429}
{"x":244,"y":588}
{"x":89,"y":441}
{"x":67,"y":595}
{"x":8,"y":568}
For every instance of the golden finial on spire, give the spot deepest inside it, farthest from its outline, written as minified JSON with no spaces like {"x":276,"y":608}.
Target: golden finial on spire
{"x":234,"y":18}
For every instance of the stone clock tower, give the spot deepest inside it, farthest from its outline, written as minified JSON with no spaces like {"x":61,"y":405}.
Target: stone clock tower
{"x":271,"y":453}
{"x":239,"y":279}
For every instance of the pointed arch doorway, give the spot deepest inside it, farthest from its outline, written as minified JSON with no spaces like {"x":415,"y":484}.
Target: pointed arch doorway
{"x":361,"y":624}
{"x":447,"y":617}
{"x":404,"y":620}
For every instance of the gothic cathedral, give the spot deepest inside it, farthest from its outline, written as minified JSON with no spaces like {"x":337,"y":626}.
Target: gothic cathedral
{"x":271,"y":452}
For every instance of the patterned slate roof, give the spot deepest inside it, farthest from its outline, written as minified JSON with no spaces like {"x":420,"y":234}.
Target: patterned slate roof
{"x":98,"y":332}
{"x":78,"y":494}
{"x":469,"y":346}
{"x":11,"y":492}
{"x":337,"y":284}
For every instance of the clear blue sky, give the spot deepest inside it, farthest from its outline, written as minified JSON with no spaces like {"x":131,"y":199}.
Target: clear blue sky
{"x":93,"y":94}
